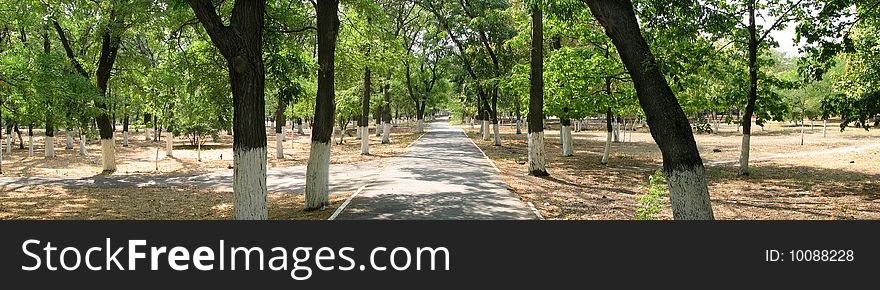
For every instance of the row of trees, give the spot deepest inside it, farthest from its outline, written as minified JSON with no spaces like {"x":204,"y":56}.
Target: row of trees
{"x":199,"y":67}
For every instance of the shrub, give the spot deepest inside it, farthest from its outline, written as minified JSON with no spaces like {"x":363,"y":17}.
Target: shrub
{"x":653,"y":201}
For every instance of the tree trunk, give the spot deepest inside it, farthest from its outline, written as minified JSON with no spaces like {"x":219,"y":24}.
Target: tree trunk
{"x":69,"y":145}
{"x":241,"y":45}
{"x":20,"y":140}
{"x":682,"y":164}
{"x":617,"y":129}
{"x":610,"y":128}
{"x":364,"y":120}
{"x":199,"y":146}
{"x":50,"y":136}
{"x":299,"y":127}
{"x":824,"y":128}
{"x":147,"y":127}
{"x":280,"y":121}
{"x":386,"y":112}
{"x":753,"y":92}
{"x":536,"y":95}
{"x":125,"y":131}
{"x":9,"y":140}
{"x":31,"y":140}
{"x":565,"y":135}
{"x":803,"y":127}
{"x":82,"y":143}
{"x":318,"y":169}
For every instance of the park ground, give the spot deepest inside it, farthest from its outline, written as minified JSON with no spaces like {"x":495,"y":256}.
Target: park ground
{"x":159,"y":201}
{"x":832,"y":177}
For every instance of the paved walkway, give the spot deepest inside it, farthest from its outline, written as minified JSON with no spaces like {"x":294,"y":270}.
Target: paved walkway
{"x":442,"y":176}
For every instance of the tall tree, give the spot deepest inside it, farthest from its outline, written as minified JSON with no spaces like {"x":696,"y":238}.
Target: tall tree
{"x":318,"y":169}
{"x":111,"y":37}
{"x":670,"y":128}
{"x":536,"y":96}
{"x":240,"y":43}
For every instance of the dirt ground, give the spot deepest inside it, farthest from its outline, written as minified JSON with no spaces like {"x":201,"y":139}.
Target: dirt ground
{"x":161,"y":203}
{"x":140,"y":156}
{"x":60,"y":203}
{"x":829,"y":177}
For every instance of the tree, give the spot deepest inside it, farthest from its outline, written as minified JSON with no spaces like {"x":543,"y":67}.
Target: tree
{"x":119,"y":17}
{"x":240,"y":43}
{"x":670,"y":128}
{"x":536,"y":96}
{"x":318,"y":169}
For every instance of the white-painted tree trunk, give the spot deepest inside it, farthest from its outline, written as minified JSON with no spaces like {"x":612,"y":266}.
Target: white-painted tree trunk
{"x":108,"y":154}
{"x":616,"y":128}
{"x":536,"y":152}
{"x":365,"y":141}
{"x":125,"y":139}
{"x":518,"y":127}
{"x":472,"y":123}
{"x":486,"y":130}
{"x":169,"y":144}
{"x":717,"y":125}
{"x":299,"y":129}
{"x":567,"y":149}
{"x":279,"y":145}
{"x":497,"y":133}
{"x":30,"y":146}
{"x":607,"y":152}
{"x":148,"y":133}
{"x":317,"y":176}
{"x":249,"y":197}
{"x":744,"y":155}
{"x":386,"y":133}
{"x":421,"y":126}
{"x":50,"y":147}
{"x":378,"y":130}
{"x":824,"y":128}
{"x":82,"y":145}
{"x":687,"y":191}
{"x":358,"y":132}
{"x":199,"y":147}
{"x":9,"y":144}
{"x":803,"y":127}
{"x":69,"y":145}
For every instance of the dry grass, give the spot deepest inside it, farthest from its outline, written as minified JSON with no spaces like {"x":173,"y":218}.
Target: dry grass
{"x":833,"y":177}
{"x":59,"y":203}
{"x":140,"y":156}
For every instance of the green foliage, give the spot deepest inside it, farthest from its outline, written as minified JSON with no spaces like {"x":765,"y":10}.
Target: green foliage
{"x":653,"y":201}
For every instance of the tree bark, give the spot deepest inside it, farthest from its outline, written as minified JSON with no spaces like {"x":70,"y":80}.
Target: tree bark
{"x":31,"y":140}
{"x":364,"y":120}
{"x":536,"y":95}
{"x":565,"y":135}
{"x":317,"y":171}
{"x":609,"y":126}
{"x":241,"y":46}
{"x":280,"y":121}
{"x":753,"y":92}
{"x":386,"y":112}
{"x":670,"y":129}
{"x":125,"y":131}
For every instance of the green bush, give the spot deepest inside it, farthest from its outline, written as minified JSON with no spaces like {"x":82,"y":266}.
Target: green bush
{"x":653,"y":201}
